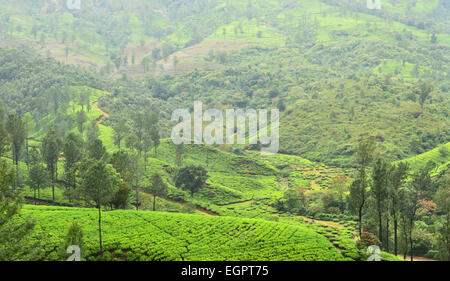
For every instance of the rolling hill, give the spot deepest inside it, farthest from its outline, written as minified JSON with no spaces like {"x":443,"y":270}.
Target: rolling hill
{"x":338,"y":71}
{"x":145,"y":236}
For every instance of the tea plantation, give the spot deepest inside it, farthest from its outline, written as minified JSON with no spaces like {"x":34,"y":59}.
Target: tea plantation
{"x":144,"y":236}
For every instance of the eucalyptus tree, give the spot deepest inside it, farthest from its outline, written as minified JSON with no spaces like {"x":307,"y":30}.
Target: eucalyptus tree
{"x":3,"y":132}
{"x":99,"y":184}
{"x":16,"y":129}
{"x":397,"y":180}
{"x":73,"y":151}
{"x":38,"y":176}
{"x":51,"y":147}
{"x":158,"y":189}
{"x":15,"y":232}
{"x":358,"y":189}
{"x":379,"y":191}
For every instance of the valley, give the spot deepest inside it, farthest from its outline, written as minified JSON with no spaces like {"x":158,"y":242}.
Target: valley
{"x":87,"y":155}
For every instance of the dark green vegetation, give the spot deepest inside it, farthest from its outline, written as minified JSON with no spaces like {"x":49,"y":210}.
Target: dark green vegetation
{"x":359,"y":91}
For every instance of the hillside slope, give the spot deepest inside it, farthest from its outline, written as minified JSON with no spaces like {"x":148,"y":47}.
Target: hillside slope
{"x":144,"y":236}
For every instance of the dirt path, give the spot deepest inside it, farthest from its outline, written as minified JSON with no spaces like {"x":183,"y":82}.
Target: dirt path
{"x":198,"y":208}
{"x":408,"y":258}
{"x":104,"y":114}
{"x":327,"y":223}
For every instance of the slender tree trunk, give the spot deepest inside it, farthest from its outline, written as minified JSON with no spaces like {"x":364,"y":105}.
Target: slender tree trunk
{"x":395,"y":236}
{"x":53,"y":185}
{"x":28,"y":157}
{"x":447,"y":239}
{"x":380,"y":227}
{"x":405,"y":237}
{"x":411,"y":243}
{"x":137,"y":199}
{"x":17,"y":171}
{"x":145,"y":161}
{"x":16,"y":161}
{"x":100,"y":229}
{"x":154,"y":202}
{"x":406,"y":247}
{"x":387,"y":232}
{"x":360,"y":221}
{"x":394,"y":213}
{"x":35,"y":196}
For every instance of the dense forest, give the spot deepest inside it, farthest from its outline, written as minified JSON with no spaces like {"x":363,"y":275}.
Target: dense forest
{"x":86,"y":155}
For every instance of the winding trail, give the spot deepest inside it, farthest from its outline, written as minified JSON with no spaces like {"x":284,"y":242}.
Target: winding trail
{"x":201,"y":210}
{"x":104,"y":114}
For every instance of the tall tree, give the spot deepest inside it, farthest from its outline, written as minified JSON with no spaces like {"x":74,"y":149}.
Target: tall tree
{"x":397,"y":180}
{"x":442,"y":198}
{"x":38,"y":176}
{"x":81,"y":119}
{"x":139,"y":125}
{"x":147,"y":144}
{"x":137,"y":173}
{"x":380,"y":177}
{"x":29,"y":126}
{"x":120,"y":131}
{"x":73,"y":154}
{"x":158,"y":188}
{"x":99,"y":184}
{"x":155,"y":137}
{"x":16,"y":130}
{"x":423,"y":91}
{"x":50,"y":153}
{"x":95,"y":149}
{"x":191,"y":178}
{"x":122,"y":196}
{"x":417,"y":188}
{"x":15,"y":234}
{"x":358,"y":189}
{"x":151,"y":133}
{"x":123,"y":164}
{"x":3,"y":132}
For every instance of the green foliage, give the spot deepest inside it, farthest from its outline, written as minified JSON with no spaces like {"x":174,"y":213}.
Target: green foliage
{"x":99,"y":183}
{"x":38,"y":178}
{"x":159,"y":188}
{"x":191,"y":178}
{"x":16,"y":130}
{"x":74,"y":237}
{"x":379,"y":75}
{"x":3,"y":131}
{"x":214,"y":239}
{"x":96,"y":150}
{"x":16,"y":231}
{"x":122,"y":196}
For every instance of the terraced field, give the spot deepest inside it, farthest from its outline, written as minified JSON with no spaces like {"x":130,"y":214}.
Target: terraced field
{"x":132,"y":235}
{"x":436,"y":159}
